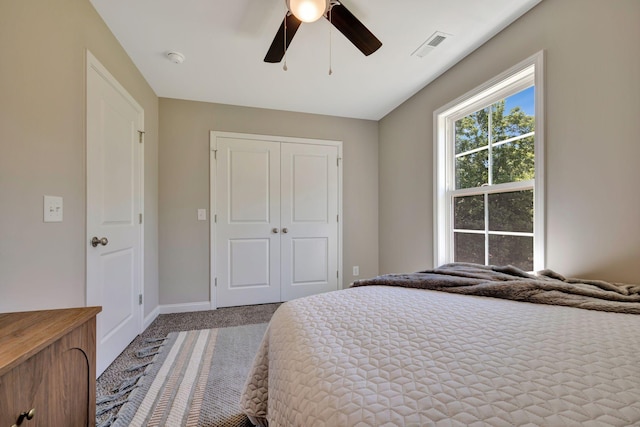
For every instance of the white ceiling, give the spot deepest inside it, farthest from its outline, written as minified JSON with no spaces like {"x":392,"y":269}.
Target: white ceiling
{"x":225,"y":41}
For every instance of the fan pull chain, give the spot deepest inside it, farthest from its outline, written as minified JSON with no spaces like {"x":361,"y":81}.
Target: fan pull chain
{"x":285,"y":43}
{"x":330,"y":25}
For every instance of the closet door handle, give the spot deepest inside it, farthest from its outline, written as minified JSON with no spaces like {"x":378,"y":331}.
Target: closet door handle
{"x":285,"y":230}
{"x":95,"y":242}
{"x":274,"y":231}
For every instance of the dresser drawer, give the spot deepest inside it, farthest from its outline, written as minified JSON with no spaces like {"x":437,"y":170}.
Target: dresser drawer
{"x":47,"y":368}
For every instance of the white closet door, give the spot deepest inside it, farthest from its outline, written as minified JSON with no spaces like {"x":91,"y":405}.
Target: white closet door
{"x":247,"y":247}
{"x":309,"y":219}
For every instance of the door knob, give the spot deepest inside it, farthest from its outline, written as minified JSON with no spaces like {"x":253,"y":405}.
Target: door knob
{"x":95,"y":241}
{"x":275,"y":230}
{"x":285,"y":230}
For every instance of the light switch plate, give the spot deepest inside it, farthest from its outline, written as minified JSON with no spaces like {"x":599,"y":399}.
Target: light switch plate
{"x":202,"y":214}
{"x":52,"y":209}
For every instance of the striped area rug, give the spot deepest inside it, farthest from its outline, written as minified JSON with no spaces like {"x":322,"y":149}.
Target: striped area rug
{"x":195,"y":380}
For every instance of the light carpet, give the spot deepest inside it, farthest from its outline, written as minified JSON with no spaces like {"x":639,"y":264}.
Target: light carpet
{"x":195,"y":380}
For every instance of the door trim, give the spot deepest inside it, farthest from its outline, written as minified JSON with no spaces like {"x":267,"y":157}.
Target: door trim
{"x":213,"y":137}
{"x":93,"y":63}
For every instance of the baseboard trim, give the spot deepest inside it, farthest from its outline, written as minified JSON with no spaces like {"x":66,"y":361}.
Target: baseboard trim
{"x":148,"y":320}
{"x":184,"y":308}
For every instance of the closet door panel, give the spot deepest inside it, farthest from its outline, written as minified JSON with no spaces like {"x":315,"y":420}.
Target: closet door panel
{"x":248,"y":221}
{"x":309,"y":219}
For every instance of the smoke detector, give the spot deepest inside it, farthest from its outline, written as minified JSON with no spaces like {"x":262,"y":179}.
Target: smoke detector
{"x":431,"y":43}
{"x":175,"y":57}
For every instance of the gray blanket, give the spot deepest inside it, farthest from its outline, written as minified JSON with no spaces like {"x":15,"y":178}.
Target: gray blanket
{"x":546,"y":287}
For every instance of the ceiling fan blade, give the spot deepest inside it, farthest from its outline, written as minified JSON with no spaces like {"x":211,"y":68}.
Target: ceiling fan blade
{"x":353,"y":29}
{"x":276,"y":51}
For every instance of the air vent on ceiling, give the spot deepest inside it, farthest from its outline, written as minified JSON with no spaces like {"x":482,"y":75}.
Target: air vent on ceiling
{"x":432,"y":42}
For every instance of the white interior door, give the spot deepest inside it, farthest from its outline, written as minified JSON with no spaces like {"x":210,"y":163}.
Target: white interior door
{"x":309,"y":219}
{"x":114,"y":208}
{"x":276,"y":230}
{"x":247,"y":238}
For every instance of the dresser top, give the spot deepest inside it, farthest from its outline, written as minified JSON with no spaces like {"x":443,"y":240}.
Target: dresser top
{"x":26,"y":333}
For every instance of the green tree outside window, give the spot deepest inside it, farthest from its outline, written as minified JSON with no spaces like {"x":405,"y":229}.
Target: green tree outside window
{"x":495,"y":147}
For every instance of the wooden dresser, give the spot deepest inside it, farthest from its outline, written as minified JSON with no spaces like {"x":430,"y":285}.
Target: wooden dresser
{"x":48,"y":368}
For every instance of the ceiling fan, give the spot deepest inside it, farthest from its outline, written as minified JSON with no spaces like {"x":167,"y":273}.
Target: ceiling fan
{"x":312,"y":10}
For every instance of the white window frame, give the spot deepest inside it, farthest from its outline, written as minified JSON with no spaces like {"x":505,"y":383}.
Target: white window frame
{"x":525,"y":74}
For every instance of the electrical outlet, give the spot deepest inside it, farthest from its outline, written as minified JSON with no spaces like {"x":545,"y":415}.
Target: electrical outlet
{"x":356,"y":270}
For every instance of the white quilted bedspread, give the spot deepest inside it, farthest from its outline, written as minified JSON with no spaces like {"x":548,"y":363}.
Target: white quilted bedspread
{"x":382,"y":356}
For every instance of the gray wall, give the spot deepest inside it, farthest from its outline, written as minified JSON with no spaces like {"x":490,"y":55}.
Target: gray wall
{"x":184,"y":186}
{"x":42,"y":150}
{"x":592,"y":145}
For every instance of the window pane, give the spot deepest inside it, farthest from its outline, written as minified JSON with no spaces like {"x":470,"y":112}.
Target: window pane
{"x":511,"y":250}
{"x":471,"y":169}
{"x":472,"y":131}
{"x":513,"y":116}
{"x":486,"y":174}
{"x":512,"y":211}
{"x":514,"y":161}
{"x":469,"y":213}
{"x":469,"y":248}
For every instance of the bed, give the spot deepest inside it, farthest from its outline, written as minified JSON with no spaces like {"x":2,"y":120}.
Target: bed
{"x":398,"y":351}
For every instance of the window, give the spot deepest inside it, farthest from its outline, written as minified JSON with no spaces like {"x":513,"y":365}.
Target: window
{"x":489,"y":175}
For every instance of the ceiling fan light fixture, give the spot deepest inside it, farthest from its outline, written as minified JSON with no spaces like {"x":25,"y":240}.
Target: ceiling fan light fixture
{"x":308,"y":10}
